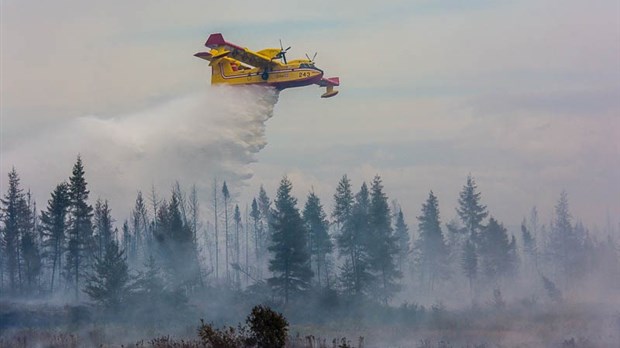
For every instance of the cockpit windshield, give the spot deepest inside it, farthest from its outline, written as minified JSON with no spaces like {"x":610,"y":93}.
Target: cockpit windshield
{"x":306,"y":65}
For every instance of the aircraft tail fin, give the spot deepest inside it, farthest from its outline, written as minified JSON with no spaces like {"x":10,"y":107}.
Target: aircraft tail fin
{"x":215,"y":40}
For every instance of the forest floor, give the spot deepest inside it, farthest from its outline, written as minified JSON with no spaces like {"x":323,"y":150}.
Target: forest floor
{"x":564,"y":326}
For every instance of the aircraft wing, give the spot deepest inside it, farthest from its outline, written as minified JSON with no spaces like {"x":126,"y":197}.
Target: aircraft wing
{"x":216,"y":41}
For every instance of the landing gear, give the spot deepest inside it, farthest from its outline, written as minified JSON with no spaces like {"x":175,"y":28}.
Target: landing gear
{"x":265,"y":75}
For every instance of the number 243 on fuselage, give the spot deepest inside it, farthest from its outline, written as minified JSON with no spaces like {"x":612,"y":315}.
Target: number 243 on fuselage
{"x":235,"y":65}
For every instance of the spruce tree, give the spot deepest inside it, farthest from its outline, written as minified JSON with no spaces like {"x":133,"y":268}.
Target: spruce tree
{"x":54,"y":227}
{"x":80,"y":244}
{"x":175,"y":244}
{"x":108,"y":283}
{"x":258,"y":229}
{"x":470,"y":210}
{"x":343,"y":202}
{"x":565,"y":244}
{"x":265,"y":229}
{"x":30,"y":251}
{"x":290,"y":262}
{"x":319,"y":241}
{"x":430,"y":248}
{"x":103,"y":228}
{"x":383,"y":247}
{"x":401,"y":230}
{"x":354,"y":242}
{"x":529,"y":247}
{"x":496,"y":251}
{"x":13,"y":207}
{"x":139,"y":226}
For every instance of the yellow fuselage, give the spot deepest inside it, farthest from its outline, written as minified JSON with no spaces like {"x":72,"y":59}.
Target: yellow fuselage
{"x":294,"y":74}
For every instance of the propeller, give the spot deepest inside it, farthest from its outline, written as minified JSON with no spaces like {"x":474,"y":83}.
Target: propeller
{"x":282,"y":53}
{"x":313,"y":57}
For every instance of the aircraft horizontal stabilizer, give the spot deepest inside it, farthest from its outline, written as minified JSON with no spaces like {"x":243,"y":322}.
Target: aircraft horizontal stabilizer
{"x":204,"y":55}
{"x":329,"y":81}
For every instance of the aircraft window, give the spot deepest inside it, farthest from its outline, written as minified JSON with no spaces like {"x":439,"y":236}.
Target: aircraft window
{"x":303,"y":65}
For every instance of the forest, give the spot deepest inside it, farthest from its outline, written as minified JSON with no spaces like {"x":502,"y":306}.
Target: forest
{"x":70,"y":272}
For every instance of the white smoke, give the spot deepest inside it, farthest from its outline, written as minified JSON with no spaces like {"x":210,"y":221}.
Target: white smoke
{"x":191,"y":139}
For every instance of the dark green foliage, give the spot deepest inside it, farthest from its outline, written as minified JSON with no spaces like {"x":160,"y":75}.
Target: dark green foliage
{"x":343,"y":202}
{"x":469,"y":262}
{"x":258,"y":229}
{"x":103,"y":228}
{"x":382,"y":244}
{"x":496,"y":251}
{"x":140,"y":242}
{"x":266,"y":218}
{"x":32,"y":261}
{"x":319,"y":241}
{"x":401,"y":230}
{"x":153,"y":301}
{"x":265,"y":329}
{"x":15,"y":216}
{"x":290,"y":261}
{"x":53,"y":229}
{"x":268,"y":328}
{"x":471,"y":212}
{"x":108,"y":284}
{"x":353,"y":241}
{"x":80,"y":246}
{"x":226,"y":337}
{"x":175,"y":245}
{"x":430,"y":248}
{"x":566,"y":247}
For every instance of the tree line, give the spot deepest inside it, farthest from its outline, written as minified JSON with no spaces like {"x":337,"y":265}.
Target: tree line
{"x":363,"y":250}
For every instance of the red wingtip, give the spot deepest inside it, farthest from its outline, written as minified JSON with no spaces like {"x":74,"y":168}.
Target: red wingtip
{"x":334,"y":80}
{"x":215,"y":40}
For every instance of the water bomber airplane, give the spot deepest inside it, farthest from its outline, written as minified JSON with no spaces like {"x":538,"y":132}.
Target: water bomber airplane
{"x":236,"y":65}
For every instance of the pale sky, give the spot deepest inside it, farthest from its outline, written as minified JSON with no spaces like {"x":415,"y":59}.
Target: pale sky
{"x":523,"y":95}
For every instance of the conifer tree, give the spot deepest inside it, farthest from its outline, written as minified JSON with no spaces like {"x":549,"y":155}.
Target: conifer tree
{"x":529,"y":247}
{"x":469,"y":262}
{"x":108,"y":283}
{"x":401,"y":230}
{"x":54,"y":227}
{"x":80,"y":244}
{"x":430,"y":249}
{"x":354,"y":242}
{"x":139,"y":226}
{"x":320,"y":244}
{"x":265,"y":229}
{"x":103,"y":225}
{"x":176,"y":245}
{"x":496,"y":251}
{"x":383,"y":247}
{"x":29,"y":246}
{"x":471,"y":212}
{"x":257,"y":227}
{"x":565,"y":244}
{"x":343,"y":202}
{"x":13,"y":207}
{"x":290,"y":262}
